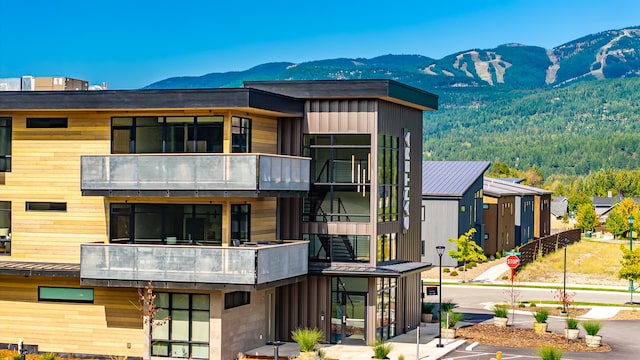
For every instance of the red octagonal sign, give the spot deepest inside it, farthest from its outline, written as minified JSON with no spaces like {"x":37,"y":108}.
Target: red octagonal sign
{"x":513,"y":261}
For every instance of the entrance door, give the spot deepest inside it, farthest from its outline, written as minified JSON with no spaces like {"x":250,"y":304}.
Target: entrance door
{"x":353,"y":308}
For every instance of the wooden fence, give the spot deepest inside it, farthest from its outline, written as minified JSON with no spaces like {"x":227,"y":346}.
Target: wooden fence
{"x":531,"y":251}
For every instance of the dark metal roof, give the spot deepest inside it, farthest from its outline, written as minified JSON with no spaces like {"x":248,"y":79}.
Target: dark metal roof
{"x":151,"y":99}
{"x":450,"y":178}
{"x":369,"y":88}
{"x":39,"y":269}
{"x":391,"y":269}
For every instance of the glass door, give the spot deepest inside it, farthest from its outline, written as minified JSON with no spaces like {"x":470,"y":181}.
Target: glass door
{"x":353,"y":321}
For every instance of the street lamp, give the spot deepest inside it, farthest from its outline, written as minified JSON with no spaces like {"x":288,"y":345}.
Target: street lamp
{"x":440,"y":250}
{"x":565,"y":242}
{"x":631,"y":250}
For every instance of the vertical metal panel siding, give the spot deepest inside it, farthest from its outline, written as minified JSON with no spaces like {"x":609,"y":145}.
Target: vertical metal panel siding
{"x":289,"y":209}
{"x":301,"y":304}
{"x":392,"y":119}
{"x":341,"y":116}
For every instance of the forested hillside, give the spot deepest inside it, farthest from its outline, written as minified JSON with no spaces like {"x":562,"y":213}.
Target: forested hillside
{"x":580,"y":128}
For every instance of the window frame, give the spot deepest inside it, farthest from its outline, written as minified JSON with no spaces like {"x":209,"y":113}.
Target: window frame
{"x":47,"y":123}
{"x":5,"y":158}
{"x":45,"y":206}
{"x":89,"y":300}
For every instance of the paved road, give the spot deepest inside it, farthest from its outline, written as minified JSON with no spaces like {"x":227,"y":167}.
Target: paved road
{"x":622,"y":336}
{"x":478,"y":296}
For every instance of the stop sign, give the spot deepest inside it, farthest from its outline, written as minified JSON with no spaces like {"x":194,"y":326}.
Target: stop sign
{"x":513,"y":261}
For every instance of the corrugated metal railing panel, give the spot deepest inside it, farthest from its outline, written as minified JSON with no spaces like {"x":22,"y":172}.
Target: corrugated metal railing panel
{"x":275,"y":263}
{"x":197,"y":264}
{"x":194,"y":172}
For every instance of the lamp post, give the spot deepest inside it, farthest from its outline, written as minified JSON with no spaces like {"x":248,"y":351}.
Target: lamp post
{"x":565,"y":242}
{"x":440,"y":250}
{"x":631,"y":288}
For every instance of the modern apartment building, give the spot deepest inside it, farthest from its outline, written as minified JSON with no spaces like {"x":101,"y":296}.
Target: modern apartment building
{"x":42,"y":83}
{"x":253,"y":211}
{"x":452,"y":204}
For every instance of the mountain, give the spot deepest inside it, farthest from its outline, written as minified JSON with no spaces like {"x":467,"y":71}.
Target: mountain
{"x":606,"y":55}
{"x":567,"y":110}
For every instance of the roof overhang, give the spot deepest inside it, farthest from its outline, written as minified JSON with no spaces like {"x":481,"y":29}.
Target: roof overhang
{"x":39,"y":269}
{"x":113,"y":100}
{"x":391,"y":269}
{"x":384,"y":89}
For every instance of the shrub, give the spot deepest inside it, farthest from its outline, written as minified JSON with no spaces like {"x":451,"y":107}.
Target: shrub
{"x":16,"y":357}
{"x":521,"y":305}
{"x":572,"y":323}
{"x":454,"y":273}
{"x":381,"y":349}
{"x":306,"y":338}
{"x":500,"y":310}
{"x":452,"y":319}
{"x":447,"y":305}
{"x":532,"y":304}
{"x":592,"y":327}
{"x":541,"y":315}
{"x":461,"y":268}
{"x":446,"y":270}
{"x":48,"y":356}
{"x":505,"y":277}
{"x":550,"y":353}
{"x":471,"y":265}
{"x":427,"y":307}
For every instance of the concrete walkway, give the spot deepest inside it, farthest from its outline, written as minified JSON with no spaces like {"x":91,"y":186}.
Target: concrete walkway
{"x":405,"y":345}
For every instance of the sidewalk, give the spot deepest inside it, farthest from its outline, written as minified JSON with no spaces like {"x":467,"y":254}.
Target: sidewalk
{"x":404,"y":345}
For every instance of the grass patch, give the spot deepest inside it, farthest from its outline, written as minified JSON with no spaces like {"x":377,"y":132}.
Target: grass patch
{"x":585,"y":259}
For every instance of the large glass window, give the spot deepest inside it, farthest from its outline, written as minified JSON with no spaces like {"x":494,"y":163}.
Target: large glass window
{"x":240,"y":135}
{"x":167,"y":134}
{"x":341,"y":248}
{"x":387,"y":244}
{"x":386,"y":308}
{"x":186,"y":332}
{"x":169,"y":224}
{"x":240,"y":215}
{"x":388,"y":178}
{"x":340,"y":176}
{"x":5,"y":228}
{"x":5,"y":144}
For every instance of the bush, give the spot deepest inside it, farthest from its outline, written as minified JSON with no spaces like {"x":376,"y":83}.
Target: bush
{"x":454,"y":273}
{"x":16,"y":357}
{"x":541,"y":315}
{"x":572,"y":323}
{"x":381,"y":349}
{"x":306,"y":338}
{"x":453,"y":319}
{"x":48,"y":356}
{"x":471,"y":265}
{"x":500,"y":310}
{"x":461,"y":268}
{"x":532,"y":305}
{"x":592,"y":327}
{"x":521,"y":305}
{"x":427,"y":307}
{"x":550,"y":353}
{"x":446,"y":270}
{"x":447,"y":305}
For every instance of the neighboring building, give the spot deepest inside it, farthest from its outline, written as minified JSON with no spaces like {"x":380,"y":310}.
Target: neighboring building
{"x":499,"y":217}
{"x":452,"y":199}
{"x":253,"y":211}
{"x":46,"y":83}
{"x":531,"y":211}
{"x":559,"y":207}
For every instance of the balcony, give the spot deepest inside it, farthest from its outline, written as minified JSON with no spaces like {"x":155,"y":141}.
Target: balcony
{"x":209,"y":174}
{"x":249,"y":267}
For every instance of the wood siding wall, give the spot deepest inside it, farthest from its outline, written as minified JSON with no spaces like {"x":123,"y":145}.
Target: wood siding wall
{"x":112,"y":325}
{"x":46,"y":168}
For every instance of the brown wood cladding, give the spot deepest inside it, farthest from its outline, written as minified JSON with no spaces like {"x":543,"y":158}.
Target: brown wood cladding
{"x":46,"y":167}
{"x":105,"y":327}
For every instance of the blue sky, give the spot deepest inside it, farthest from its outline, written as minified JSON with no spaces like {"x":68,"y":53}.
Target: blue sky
{"x":132,"y":43}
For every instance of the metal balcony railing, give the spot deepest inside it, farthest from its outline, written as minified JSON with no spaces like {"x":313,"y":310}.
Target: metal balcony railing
{"x":252,"y":265}
{"x":194,"y":172}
